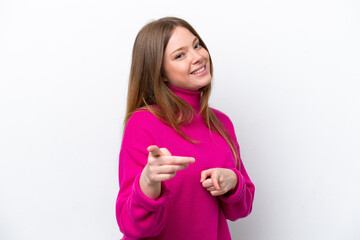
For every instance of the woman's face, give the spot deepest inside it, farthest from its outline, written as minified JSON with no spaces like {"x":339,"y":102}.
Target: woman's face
{"x":186,"y":63}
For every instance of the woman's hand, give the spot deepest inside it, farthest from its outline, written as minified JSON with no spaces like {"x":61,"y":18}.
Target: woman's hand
{"x":219,"y":181}
{"x":161,"y":166}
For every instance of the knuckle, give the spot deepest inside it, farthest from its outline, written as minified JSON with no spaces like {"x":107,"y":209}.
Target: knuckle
{"x":151,"y":160}
{"x":151,"y":169}
{"x":152,"y":177}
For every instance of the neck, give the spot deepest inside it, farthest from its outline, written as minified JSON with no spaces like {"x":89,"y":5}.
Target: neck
{"x":191,"y":97}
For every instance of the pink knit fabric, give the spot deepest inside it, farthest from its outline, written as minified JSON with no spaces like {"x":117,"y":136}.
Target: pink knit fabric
{"x":185,"y":210}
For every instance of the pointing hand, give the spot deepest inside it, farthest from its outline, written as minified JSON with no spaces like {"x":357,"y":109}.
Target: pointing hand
{"x":219,"y":181}
{"x":161,"y":166}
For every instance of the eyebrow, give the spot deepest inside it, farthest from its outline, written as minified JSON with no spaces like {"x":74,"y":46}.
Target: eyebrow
{"x":182,"y":48}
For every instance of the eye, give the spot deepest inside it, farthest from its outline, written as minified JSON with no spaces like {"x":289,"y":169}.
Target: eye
{"x":179,"y":56}
{"x":198,"y":45}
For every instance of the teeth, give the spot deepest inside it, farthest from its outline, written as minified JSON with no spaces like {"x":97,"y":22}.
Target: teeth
{"x":200,"y":70}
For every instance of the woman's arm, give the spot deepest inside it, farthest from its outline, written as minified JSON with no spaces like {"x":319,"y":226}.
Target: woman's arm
{"x":237,"y":203}
{"x":235,"y":191}
{"x":138,"y":215}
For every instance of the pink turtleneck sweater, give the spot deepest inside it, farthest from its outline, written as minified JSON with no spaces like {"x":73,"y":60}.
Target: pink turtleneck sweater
{"x":184,"y":210}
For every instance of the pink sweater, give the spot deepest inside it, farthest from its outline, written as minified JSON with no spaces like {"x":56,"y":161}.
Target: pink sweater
{"x":185,"y":210}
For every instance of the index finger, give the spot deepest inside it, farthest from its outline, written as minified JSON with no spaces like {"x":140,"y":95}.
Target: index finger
{"x":179,"y":160}
{"x":214,"y":179}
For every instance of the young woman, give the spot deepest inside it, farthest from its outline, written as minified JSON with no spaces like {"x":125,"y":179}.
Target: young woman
{"x":180,"y":171}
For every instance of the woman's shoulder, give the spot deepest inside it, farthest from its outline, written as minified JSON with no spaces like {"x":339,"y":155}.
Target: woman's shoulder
{"x":221,"y":116}
{"x":140,"y":129}
{"x":144,"y":118}
{"x":141,"y":114}
{"x":225,"y":120}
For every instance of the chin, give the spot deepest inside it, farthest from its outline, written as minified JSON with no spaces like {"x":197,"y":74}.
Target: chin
{"x":207,"y":82}
{"x":201,"y":87}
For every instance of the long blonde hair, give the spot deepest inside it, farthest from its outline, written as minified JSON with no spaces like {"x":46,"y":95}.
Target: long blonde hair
{"x":146,"y":89}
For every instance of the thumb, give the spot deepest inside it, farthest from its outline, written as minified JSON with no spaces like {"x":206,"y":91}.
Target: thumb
{"x":205,"y":174}
{"x":154,"y":151}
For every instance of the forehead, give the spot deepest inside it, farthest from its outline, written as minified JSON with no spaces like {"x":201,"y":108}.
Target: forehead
{"x":180,"y":37}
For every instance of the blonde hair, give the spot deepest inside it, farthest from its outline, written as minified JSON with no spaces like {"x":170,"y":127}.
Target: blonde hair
{"x":147,"y":90}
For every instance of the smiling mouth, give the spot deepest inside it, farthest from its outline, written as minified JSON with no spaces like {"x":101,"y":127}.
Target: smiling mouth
{"x":199,"y":70}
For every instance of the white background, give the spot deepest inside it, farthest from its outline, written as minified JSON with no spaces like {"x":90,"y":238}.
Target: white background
{"x":286,"y":72}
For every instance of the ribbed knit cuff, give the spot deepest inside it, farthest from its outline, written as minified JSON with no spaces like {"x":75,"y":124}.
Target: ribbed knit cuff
{"x":150,"y":204}
{"x":234,"y":197}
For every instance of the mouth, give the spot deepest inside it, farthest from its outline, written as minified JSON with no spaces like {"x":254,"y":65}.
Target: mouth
{"x":199,"y":70}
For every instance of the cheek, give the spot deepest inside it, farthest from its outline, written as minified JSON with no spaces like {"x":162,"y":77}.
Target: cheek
{"x":205,"y":53}
{"x":180,"y":68}
{"x":176,"y":71}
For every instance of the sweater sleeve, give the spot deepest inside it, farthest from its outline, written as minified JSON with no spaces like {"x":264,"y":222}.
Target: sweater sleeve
{"x":239,"y":203}
{"x":137,"y":215}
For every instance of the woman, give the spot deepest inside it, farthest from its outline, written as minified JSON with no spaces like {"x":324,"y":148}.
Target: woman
{"x":180,"y":170}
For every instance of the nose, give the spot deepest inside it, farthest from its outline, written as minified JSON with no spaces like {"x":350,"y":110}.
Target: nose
{"x":196,"y":57}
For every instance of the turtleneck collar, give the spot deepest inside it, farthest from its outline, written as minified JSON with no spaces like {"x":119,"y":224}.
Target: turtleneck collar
{"x":191,"y":97}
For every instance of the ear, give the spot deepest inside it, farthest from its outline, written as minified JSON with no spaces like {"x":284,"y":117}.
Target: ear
{"x":164,"y":80}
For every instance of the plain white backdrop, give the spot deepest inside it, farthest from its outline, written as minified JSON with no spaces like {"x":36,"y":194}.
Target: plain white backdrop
{"x":286,"y":72}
